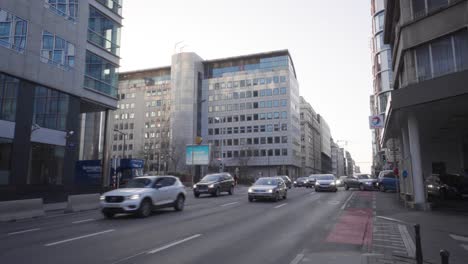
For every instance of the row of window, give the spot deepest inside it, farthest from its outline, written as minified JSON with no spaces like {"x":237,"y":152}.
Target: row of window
{"x":113,"y":5}
{"x":157,"y":103}
{"x":154,"y":114}
{"x":423,"y":7}
{"x":55,"y":50}
{"x":154,"y":134}
{"x":246,"y":83}
{"x":103,"y":31}
{"x":248,"y":129}
{"x":122,"y":96}
{"x":120,"y":136}
{"x":65,"y":8}
{"x":122,"y":126}
{"x":157,"y":92}
{"x":153,"y":124}
{"x":436,"y":58}
{"x":247,"y":94}
{"x":253,"y":153}
{"x":250,"y":141}
{"x":244,"y":106}
{"x":126,"y":106}
{"x":249,"y":117}
{"x":124,"y":116}
{"x":122,"y":147}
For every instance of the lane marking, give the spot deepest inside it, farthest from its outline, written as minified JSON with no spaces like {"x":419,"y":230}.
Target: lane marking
{"x":80,"y":237}
{"x":229,"y":204}
{"x":392,"y":240}
{"x":83,"y":221}
{"x":407,"y":240}
{"x":130,"y":257}
{"x":459,"y":238}
{"x":347,"y":200}
{"x":173,"y":244}
{"x":281,"y":205}
{"x":297,"y":259}
{"x":388,"y":246}
{"x":23,"y":231}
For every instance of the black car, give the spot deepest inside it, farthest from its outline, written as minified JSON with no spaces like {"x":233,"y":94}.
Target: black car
{"x":214,"y":184}
{"x":446,"y":186}
{"x":286,"y":180}
{"x":300,"y":182}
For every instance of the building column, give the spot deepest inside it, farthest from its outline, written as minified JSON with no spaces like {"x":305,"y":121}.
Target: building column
{"x":416,"y":160}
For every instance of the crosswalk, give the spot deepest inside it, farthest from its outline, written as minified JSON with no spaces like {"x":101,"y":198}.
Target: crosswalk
{"x":463,"y":240}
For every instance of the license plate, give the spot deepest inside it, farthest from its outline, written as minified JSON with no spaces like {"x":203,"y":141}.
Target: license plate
{"x":112,"y":206}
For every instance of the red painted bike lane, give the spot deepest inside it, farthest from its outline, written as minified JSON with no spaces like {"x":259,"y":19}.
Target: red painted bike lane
{"x":354,"y":225}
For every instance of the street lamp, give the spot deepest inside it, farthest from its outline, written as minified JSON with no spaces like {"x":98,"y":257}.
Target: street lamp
{"x":125,"y":141}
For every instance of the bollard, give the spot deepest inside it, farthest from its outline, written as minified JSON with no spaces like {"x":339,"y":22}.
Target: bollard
{"x":444,"y":256}
{"x":419,"y":256}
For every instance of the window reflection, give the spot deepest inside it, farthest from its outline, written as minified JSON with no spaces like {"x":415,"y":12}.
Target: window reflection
{"x":8,"y":97}
{"x":46,"y":165}
{"x":50,"y":108}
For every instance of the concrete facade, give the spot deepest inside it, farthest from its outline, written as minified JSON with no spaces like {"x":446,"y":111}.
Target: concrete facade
{"x":310,"y":140}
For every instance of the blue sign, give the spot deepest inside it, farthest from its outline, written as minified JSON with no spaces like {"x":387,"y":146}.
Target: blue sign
{"x":131,"y":163}
{"x":88,"y":172}
{"x":405,"y":174}
{"x":197,"y":155}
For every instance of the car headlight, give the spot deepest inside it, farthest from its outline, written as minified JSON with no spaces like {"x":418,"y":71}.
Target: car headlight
{"x":250,"y":190}
{"x":102,"y":198}
{"x":317,"y":184}
{"x":430,"y":186}
{"x":270,"y":190}
{"x":195,"y":186}
{"x":211,"y":186}
{"x":369,"y":183}
{"x":295,"y":182}
{"x":338,"y":182}
{"x":332,"y":183}
{"x":133,"y":197}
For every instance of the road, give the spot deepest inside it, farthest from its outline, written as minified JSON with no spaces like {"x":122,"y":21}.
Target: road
{"x":323,"y":227}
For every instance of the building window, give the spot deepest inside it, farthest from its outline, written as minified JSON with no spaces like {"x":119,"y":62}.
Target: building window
{"x":100,"y":75}
{"x":5,"y":160}
{"x":113,"y":5}
{"x":379,"y":22}
{"x":423,"y":7}
{"x":50,"y":108}
{"x":8,"y":96}
{"x":65,"y":8}
{"x":46,"y":165}
{"x":57,"y":51}
{"x":13,"y":31}
{"x":103,"y":31}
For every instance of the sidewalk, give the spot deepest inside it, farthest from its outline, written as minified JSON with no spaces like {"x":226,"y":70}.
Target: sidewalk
{"x":394,"y":242}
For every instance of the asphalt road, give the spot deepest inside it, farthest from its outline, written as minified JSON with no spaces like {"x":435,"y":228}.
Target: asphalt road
{"x":226,"y":229}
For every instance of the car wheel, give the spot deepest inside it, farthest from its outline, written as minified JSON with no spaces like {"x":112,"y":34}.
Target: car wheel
{"x":251,"y":199}
{"x":361,"y":187}
{"x":231,"y":190}
{"x":196,"y":194}
{"x":382,"y":188}
{"x":346,"y":187}
{"x":336,"y":189}
{"x":108,"y":215}
{"x":285,"y":196}
{"x":217,"y":192}
{"x":179,"y":203}
{"x":317,"y":190}
{"x":276,"y":199}
{"x":145,"y":208}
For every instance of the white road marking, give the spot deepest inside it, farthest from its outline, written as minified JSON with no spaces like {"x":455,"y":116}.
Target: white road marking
{"x":345,"y":203}
{"x":459,"y":238}
{"x":281,"y":205}
{"x":393,"y":240}
{"x":388,"y":246}
{"x":297,"y":259}
{"x":229,"y":204}
{"x":409,"y":244}
{"x":80,"y":237}
{"x":23,"y":231}
{"x":333,"y":202}
{"x":173,"y":244}
{"x":83,"y":221}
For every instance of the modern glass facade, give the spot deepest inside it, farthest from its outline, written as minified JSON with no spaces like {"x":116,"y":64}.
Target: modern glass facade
{"x":55,"y":50}
{"x":8,"y":97}
{"x":6,"y":146}
{"x":113,"y":5}
{"x":103,"y":31}
{"x":258,"y":64}
{"x":101,"y":75}
{"x":13,"y":30}
{"x":65,"y":8}
{"x":50,"y":108}
{"x":46,"y":164}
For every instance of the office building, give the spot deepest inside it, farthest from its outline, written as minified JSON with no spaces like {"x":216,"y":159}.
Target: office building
{"x":59,"y":62}
{"x":338,"y":160}
{"x":310,"y":139}
{"x":349,"y":170}
{"x":325,"y":146}
{"x":382,"y":78}
{"x":428,"y":112}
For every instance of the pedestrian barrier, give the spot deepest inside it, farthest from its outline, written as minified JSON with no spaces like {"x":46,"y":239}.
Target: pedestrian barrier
{"x":21,"y":209}
{"x":82,"y":202}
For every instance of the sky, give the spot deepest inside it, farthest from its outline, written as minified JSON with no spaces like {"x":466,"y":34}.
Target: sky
{"x":329,"y":42}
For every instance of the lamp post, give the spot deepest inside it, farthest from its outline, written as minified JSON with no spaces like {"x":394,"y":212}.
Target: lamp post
{"x":221,"y":168}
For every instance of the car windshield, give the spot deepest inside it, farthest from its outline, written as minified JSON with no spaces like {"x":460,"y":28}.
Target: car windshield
{"x":363,"y":177}
{"x":325,"y":178}
{"x":266,"y":181}
{"x":210,"y":178}
{"x":138,"y":183}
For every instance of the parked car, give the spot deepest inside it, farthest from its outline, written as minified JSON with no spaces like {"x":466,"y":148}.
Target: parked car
{"x":340,"y":181}
{"x":286,"y":180}
{"x":300,"y":182}
{"x":387,"y":181}
{"x":446,"y":186}
{"x":142,"y":195}
{"x":214,"y":184}
{"x":272,"y":188}
{"x":310,"y":183}
{"x":325,"y":182}
{"x":361,"y":181}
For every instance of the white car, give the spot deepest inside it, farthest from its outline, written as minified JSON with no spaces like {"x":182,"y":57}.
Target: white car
{"x":142,"y":195}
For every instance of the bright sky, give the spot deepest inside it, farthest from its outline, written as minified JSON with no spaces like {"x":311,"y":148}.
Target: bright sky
{"x":329,"y":42}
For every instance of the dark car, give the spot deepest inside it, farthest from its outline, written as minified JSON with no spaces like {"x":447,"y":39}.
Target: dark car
{"x":325,"y":182}
{"x":387,"y":181}
{"x":361,"y":181}
{"x":447,"y":186}
{"x":286,"y":180}
{"x":214,"y":184}
{"x":300,"y":182}
{"x":272,"y":188}
{"x":311,"y":181}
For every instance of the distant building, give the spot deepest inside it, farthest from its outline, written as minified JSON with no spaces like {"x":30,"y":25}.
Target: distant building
{"x":338,"y":160}
{"x":325,"y":147}
{"x":58,"y":71}
{"x":310,"y":140}
{"x":349,"y":164}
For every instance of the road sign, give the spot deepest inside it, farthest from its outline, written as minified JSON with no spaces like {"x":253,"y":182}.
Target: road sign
{"x":377,"y":121}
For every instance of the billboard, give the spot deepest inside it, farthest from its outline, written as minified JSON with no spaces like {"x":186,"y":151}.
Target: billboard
{"x":377,"y":121}
{"x":197,"y":155}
